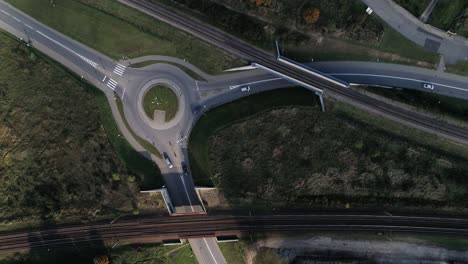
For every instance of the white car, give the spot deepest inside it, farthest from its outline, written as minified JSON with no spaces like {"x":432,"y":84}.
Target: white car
{"x":428,"y":86}
{"x":168,"y":160}
{"x":245,"y":89}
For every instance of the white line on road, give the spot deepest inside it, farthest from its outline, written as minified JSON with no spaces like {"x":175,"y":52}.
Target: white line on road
{"x":110,"y":86}
{"x":63,"y":46}
{"x":4,"y":12}
{"x":16,"y":19}
{"x":112,"y":81}
{"x":250,"y":83}
{"x":395,"y":77}
{"x":104,"y":78}
{"x":123,"y":94}
{"x":209,"y":250}
{"x":119,"y":69}
{"x":186,"y":192}
{"x":28,"y":26}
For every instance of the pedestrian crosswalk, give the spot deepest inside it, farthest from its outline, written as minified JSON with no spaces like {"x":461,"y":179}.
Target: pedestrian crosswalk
{"x":119,"y":69}
{"x":111,"y":84}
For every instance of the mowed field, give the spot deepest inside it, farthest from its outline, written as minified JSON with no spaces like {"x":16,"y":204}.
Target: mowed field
{"x":299,"y":156}
{"x":60,"y":153}
{"x":119,"y":31}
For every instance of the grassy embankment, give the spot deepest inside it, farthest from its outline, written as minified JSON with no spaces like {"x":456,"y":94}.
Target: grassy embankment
{"x":60,"y":147}
{"x":123,"y":31}
{"x":431,"y":103}
{"x":162,"y":98}
{"x":189,"y":72}
{"x":303,"y":157}
{"x":145,"y":144}
{"x":415,"y":7}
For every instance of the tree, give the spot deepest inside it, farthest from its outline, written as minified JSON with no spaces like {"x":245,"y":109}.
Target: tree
{"x":101,"y":259}
{"x":311,"y":16}
{"x":263,"y":2}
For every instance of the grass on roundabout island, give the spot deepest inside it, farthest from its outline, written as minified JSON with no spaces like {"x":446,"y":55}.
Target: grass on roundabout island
{"x":160,"y":97}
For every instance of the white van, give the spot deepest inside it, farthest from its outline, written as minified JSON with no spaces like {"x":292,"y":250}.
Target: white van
{"x":168,"y":160}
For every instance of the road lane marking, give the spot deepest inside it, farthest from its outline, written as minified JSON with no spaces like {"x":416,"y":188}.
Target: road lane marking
{"x":186,"y":192}
{"x":123,"y":94}
{"x":104,"y":78}
{"x":112,"y":81}
{"x":209,"y":250}
{"x":112,"y":84}
{"x":3,"y":11}
{"x":119,"y":69}
{"x":109,"y":85}
{"x":16,"y":19}
{"x":28,"y":26}
{"x":70,"y":50}
{"x":400,"y":78}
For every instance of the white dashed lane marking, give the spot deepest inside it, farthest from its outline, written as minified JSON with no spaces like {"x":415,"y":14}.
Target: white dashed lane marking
{"x":119,"y":69}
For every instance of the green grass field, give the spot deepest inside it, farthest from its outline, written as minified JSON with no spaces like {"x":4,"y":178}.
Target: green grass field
{"x":162,"y":98}
{"x":119,"y":31}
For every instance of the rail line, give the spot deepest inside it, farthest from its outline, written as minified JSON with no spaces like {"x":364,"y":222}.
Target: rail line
{"x":197,"y":226}
{"x":248,"y":51}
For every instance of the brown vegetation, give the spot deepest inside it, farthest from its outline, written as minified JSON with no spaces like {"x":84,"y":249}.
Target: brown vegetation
{"x":311,"y":16}
{"x":303,"y":157}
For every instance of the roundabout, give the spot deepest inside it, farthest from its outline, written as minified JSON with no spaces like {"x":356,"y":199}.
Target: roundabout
{"x":161,"y":103}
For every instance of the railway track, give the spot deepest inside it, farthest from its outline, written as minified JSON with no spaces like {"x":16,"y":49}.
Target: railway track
{"x":142,"y":229}
{"x":251,"y":53}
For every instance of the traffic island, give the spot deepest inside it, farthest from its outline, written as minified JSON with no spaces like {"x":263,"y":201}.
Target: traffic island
{"x":161,"y":103}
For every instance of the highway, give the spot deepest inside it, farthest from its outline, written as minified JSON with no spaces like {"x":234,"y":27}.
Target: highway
{"x":117,"y":79}
{"x":150,"y":229}
{"x":247,"y":51}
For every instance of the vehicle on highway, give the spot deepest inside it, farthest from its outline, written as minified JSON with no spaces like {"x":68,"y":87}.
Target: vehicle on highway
{"x":168,"y":160}
{"x":428,"y":86}
{"x":245,"y":89}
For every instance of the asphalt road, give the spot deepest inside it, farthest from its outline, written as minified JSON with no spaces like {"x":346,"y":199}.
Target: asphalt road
{"x":247,"y":51}
{"x":147,"y":229}
{"x":116,"y":79}
{"x":453,"y":48}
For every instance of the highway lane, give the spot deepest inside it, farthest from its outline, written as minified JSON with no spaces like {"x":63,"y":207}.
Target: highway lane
{"x":151,"y":229}
{"x":366,"y":73}
{"x":236,"y":46}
